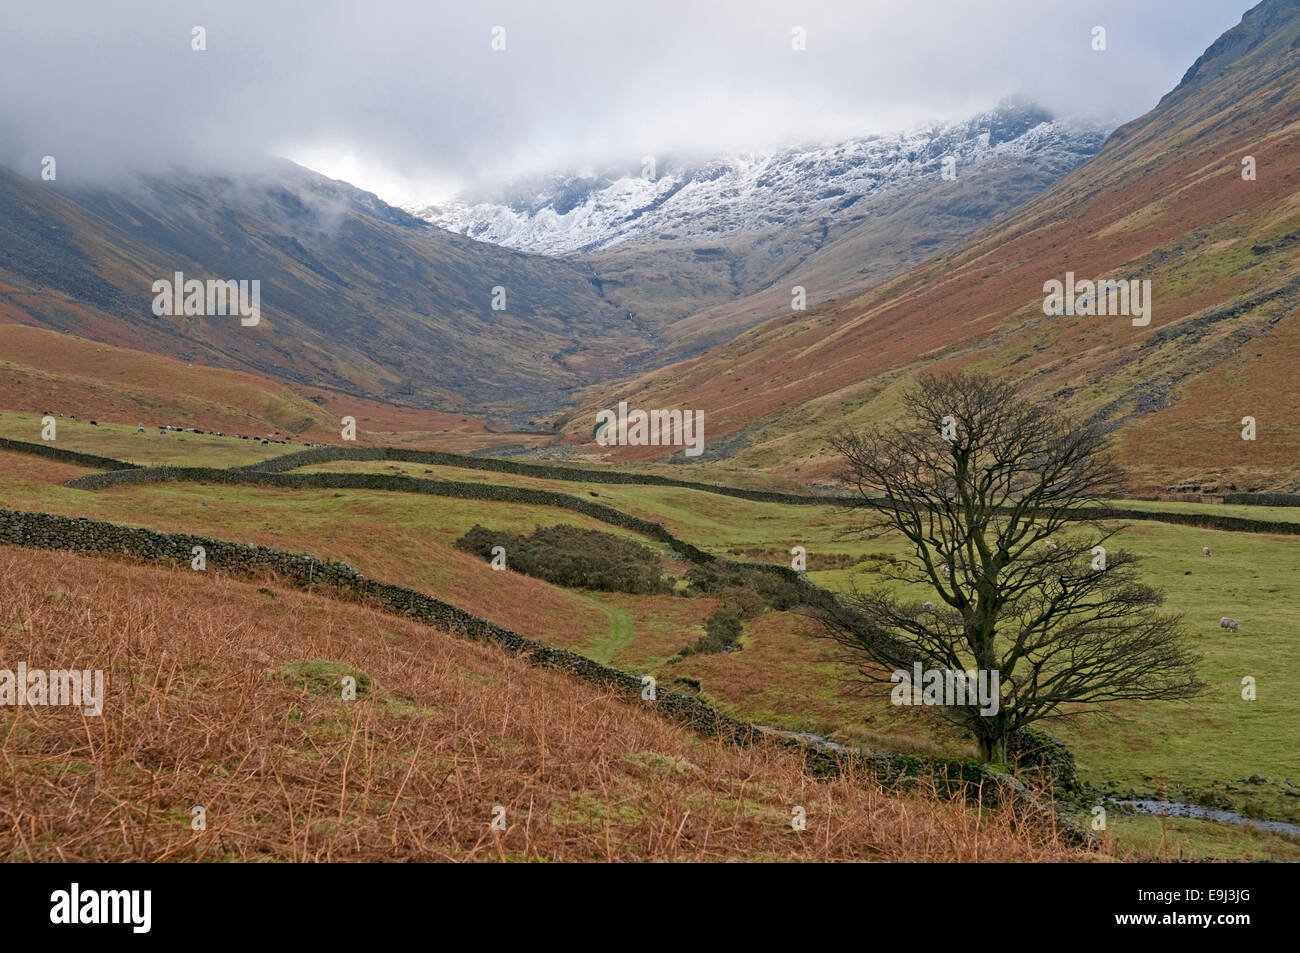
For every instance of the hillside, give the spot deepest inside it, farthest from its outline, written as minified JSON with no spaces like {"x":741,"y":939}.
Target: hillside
{"x":79,"y":380}
{"x":44,"y":370}
{"x":245,"y":721}
{"x":841,"y":215}
{"x":1164,"y":200}
{"x":356,"y":296}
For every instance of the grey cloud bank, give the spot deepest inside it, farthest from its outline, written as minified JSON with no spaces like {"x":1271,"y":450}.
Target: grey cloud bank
{"x":410,"y":99}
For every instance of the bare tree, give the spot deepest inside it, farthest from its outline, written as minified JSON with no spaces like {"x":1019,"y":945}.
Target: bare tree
{"x":997,"y":497}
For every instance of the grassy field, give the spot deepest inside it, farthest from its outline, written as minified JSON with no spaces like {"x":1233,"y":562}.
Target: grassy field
{"x":401,"y":538}
{"x":1182,"y":838}
{"x":1200,"y":750}
{"x":122,"y":442}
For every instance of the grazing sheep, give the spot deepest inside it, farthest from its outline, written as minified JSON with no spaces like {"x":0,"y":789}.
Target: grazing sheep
{"x":1229,"y":624}
{"x":1206,"y":550}
{"x":927,"y":605}
{"x":1051,"y":546}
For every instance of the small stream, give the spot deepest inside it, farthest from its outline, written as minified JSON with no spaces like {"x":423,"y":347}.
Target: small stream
{"x":817,"y":741}
{"x":1197,"y":812}
{"x":1150,"y":806}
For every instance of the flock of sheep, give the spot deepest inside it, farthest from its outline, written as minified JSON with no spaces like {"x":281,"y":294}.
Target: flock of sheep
{"x":168,"y":428}
{"x":264,"y":441}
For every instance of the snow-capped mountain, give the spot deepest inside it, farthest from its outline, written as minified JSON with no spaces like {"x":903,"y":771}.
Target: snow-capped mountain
{"x":714,"y":200}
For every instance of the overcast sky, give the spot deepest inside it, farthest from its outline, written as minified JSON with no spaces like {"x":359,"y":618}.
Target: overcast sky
{"x":408,"y":98}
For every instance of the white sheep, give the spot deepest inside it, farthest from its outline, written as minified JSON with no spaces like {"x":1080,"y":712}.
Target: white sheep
{"x":1229,"y":624}
{"x":929,"y":606}
{"x":1051,"y":546}
{"x":1206,"y":550}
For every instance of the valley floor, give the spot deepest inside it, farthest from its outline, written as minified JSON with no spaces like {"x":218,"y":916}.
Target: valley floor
{"x":1223,"y":751}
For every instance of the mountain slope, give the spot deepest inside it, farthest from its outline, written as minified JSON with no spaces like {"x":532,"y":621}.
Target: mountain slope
{"x":703,"y":202}
{"x":689,"y":236}
{"x":356,"y":296}
{"x":1164,"y":200}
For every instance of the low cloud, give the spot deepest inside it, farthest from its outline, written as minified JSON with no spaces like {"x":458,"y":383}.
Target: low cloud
{"x":409,"y":98}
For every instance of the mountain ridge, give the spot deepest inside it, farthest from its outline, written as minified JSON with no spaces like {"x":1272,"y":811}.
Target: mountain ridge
{"x":717,"y":246}
{"x":357,"y":296}
{"x":1164,"y":199}
{"x":560,"y":213}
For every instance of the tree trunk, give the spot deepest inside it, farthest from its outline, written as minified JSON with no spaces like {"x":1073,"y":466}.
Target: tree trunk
{"x":993,"y":748}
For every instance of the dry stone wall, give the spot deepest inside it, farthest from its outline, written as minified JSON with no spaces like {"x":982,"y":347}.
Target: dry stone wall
{"x":66,"y":456}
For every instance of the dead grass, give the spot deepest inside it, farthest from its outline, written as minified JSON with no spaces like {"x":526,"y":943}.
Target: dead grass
{"x":195,"y":715}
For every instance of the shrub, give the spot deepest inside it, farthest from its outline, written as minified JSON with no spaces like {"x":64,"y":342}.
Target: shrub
{"x":772,"y":590}
{"x":574,"y":557}
{"x":725,"y":624}
{"x":745,"y":593}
